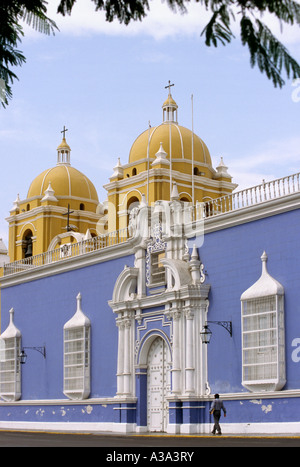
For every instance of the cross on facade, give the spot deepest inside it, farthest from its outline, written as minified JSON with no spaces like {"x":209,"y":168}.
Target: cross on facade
{"x":68,"y":218}
{"x":169,"y":86}
{"x":64,"y":131}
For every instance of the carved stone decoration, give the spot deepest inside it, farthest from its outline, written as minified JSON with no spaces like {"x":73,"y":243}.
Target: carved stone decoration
{"x":155,"y":245}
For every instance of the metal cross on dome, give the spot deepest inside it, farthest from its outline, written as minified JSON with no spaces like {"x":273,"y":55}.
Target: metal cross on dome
{"x":68,"y":227}
{"x":169,"y":86}
{"x":64,"y":131}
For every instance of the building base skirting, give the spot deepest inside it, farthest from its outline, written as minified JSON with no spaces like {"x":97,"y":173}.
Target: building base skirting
{"x":70,"y":427}
{"x":237,"y":429}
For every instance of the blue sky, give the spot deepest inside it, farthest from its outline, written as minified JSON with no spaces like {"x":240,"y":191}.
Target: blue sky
{"x":106,"y":81}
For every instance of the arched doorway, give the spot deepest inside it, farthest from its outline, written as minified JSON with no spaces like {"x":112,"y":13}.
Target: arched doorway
{"x":158,"y":385}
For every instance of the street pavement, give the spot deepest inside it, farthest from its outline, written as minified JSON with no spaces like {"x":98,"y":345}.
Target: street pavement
{"x":114,"y":445}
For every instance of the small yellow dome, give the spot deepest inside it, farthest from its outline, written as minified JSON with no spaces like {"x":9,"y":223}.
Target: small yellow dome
{"x":64,"y":145}
{"x":169,"y":102}
{"x":181,"y":144}
{"x":66,"y":181}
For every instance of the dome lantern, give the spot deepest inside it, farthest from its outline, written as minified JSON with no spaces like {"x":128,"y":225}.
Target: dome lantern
{"x":63,"y":151}
{"x":170,"y":107}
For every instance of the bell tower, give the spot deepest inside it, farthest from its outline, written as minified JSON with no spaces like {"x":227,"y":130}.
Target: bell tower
{"x":160,"y":157}
{"x":60,"y":207}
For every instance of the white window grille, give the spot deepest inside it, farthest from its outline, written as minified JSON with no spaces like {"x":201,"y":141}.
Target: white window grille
{"x":10,"y":368}
{"x":156,"y":251}
{"x":157,"y":269}
{"x":263,"y":347}
{"x":77,"y":337}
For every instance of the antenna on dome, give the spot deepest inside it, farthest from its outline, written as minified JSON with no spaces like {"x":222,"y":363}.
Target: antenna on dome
{"x":193,"y":182}
{"x":170,"y":143}
{"x":148,"y":161}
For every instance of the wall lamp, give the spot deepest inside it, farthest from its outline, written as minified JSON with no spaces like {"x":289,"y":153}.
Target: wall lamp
{"x":23,"y":354}
{"x":206,"y":333}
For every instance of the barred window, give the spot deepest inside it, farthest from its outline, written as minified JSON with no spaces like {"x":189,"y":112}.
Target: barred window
{"x":263,"y":348}
{"x":10,"y":368}
{"x":77,"y":337}
{"x":156,"y":251}
{"x":157,"y":272}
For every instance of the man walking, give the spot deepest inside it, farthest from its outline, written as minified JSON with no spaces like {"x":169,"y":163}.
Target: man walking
{"x":215,"y":409}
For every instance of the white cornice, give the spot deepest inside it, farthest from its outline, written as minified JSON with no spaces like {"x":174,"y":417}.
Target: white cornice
{"x":160,"y":299}
{"x":76,"y":198}
{"x":252,"y":213}
{"x":49,"y":211}
{"x":255,"y":396}
{"x":141,"y":179}
{"x":85,"y":402}
{"x":69,"y":264}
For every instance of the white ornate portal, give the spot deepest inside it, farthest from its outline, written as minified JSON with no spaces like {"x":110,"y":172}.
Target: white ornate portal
{"x":159,"y":327}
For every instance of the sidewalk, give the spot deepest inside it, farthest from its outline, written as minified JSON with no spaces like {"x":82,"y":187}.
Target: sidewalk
{"x":200,"y":435}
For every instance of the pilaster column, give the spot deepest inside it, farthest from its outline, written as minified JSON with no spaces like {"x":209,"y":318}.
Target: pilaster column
{"x":176,"y":368}
{"x":127,"y":359}
{"x":120,"y":367}
{"x":189,"y":352}
{"x":203,"y":349}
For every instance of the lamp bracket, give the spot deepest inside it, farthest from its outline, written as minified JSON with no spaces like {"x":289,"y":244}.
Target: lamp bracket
{"x":225,"y":324}
{"x":41,"y":350}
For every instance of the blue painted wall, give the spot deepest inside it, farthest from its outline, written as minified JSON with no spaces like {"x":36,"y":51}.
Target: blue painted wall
{"x":43,"y":306}
{"x":247,"y":411}
{"x":232,"y":260}
{"x":68,"y":413}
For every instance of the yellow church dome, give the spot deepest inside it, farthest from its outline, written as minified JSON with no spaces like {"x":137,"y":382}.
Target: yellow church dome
{"x":60,"y":207}
{"x":66,"y":181}
{"x":181,"y":144}
{"x":184,"y":144}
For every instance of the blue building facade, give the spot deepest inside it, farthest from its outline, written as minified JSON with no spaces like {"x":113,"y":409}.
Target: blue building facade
{"x":146,"y":303}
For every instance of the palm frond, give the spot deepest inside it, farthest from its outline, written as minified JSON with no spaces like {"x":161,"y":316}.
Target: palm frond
{"x":267,"y":52}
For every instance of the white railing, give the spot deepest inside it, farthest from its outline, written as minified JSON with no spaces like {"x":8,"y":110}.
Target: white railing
{"x":266,"y":191}
{"x":67,"y":251}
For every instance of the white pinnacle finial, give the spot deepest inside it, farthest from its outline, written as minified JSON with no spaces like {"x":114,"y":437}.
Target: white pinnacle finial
{"x":175,"y":194}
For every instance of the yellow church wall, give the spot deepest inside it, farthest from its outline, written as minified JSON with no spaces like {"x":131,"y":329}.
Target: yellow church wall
{"x":45,"y":223}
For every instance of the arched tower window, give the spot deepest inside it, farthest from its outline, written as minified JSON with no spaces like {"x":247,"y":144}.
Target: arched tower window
{"x":132,"y":203}
{"x":27,"y":244}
